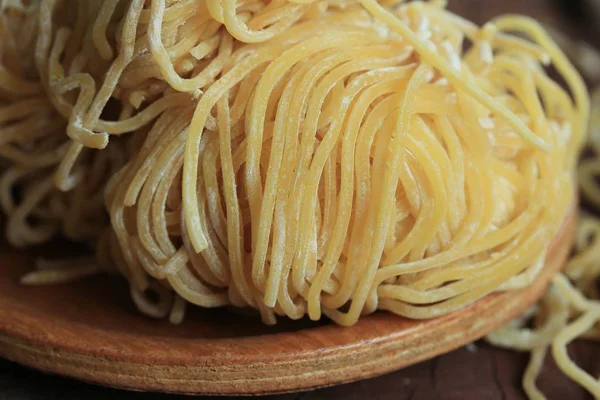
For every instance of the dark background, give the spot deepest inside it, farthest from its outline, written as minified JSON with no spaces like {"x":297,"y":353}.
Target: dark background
{"x":474,"y":372}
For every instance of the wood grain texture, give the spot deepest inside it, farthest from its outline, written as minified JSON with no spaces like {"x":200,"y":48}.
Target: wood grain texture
{"x":82,"y":330}
{"x":480,"y":372}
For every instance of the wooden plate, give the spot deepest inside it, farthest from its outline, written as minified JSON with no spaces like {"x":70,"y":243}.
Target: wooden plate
{"x":90,"y":331}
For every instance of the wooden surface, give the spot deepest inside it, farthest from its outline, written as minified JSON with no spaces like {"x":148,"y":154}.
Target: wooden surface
{"x":86,"y":330}
{"x":478,"y":372}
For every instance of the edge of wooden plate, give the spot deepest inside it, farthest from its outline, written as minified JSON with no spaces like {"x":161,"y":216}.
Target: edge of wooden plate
{"x":262,"y":364}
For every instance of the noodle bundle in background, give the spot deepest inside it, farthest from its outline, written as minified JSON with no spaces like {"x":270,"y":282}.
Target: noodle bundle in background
{"x":302,"y":158}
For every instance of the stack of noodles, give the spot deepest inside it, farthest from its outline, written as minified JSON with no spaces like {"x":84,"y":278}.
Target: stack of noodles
{"x":298,"y":157}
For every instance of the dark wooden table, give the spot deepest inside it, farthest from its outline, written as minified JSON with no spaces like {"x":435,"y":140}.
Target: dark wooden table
{"x":478,"y":371}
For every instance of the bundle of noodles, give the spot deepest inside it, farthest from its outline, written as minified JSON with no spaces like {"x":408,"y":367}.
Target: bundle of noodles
{"x":33,"y":143}
{"x":571,"y":307}
{"x":358,"y":161}
{"x":36,"y":102}
{"x":299,"y":157}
